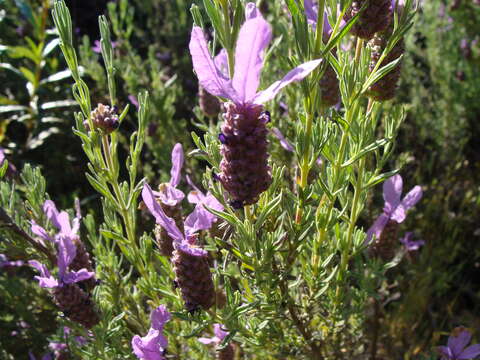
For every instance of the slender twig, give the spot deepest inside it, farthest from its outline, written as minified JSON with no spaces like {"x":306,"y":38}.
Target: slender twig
{"x":8,"y":222}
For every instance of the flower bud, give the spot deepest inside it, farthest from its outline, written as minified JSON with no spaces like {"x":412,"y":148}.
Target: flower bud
{"x":104,"y":119}
{"x":227,"y":353}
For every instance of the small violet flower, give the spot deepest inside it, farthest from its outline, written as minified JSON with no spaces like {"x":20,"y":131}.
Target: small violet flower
{"x":169,"y":194}
{"x":457,"y":349}
{"x":152,"y":346}
{"x":218,"y":337}
{"x":411,"y":245}
{"x":395,"y":208}
{"x":97,"y":46}
{"x":253,"y":38}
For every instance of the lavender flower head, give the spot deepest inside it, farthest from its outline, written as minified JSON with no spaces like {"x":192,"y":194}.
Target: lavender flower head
{"x":457,"y":349}
{"x":245,"y":173}
{"x":409,"y":244}
{"x":190,"y":263}
{"x":395,"y":208}
{"x":152,"y":346}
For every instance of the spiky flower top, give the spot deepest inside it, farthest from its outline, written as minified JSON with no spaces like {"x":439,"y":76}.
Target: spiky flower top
{"x":375,"y":16}
{"x":244,"y":168}
{"x":190,"y":262}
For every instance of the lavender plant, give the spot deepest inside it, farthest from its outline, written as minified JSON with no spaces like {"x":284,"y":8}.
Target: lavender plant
{"x":284,"y":262}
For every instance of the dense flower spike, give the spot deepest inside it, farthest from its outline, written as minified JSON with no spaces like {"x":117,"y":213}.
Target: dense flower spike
{"x":395,"y":209}
{"x":457,"y":349}
{"x":228,"y":352}
{"x":190,"y":262}
{"x":375,"y":17}
{"x":153,"y":345}
{"x":104,"y":118}
{"x":169,"y":198}
{"x":245,"y":172}
{"x":71,"y":299}
{"x":385,"y":88}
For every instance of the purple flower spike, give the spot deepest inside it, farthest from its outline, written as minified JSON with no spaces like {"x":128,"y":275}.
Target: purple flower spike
{"x":395,"y":208}
{"x":153,"y":345}
{"x":457,"y":349}
{"x":411,"y":245}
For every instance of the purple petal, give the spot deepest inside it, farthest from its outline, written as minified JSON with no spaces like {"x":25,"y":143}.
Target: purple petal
{"x":190,"y":182}
{"x":219,"y":333}
{"x":212,"y":202}
{"x":199,"y":219}
{"x":45,"y":280}
{"x":470,"y":353}
{"x":169,"y":195}
{"x":445,"y":351}
{"x":194,"y":197}
{"x":283,"y":141}
{"x":148,"y":347}
{"x":76,"y":276}
{"x":377,"y":228}
{"x":159,"y":317}
{"x":177,"y":163}
{"x":52,"y":213}
{"x":400,"y":213}
{"x":133,"y":99}
{"x":208,"y":341}
{"x":221,"y":62}
{"x":297,"y":74}
{"x":392,"y":191}
{"x":311,"y":11}
{"x":458,"y":343}
{"x":209,"y":76}
{"x":251,"y":11}
{"x":190,"y":249}
{"x":253,"y":38}
{"x":40,"y":232}
{"x":156,"y":210}
{"x":66,"y":253}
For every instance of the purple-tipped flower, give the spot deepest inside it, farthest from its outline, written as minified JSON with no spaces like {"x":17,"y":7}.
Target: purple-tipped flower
{"x":244,"y":168}
{"x":72,"y":299}
{"x":190,"y":263}
{"x":153,"y":345}
{"x":226,"y":353}
{"x":411,"y":245}
{"x":457,"y":349}
{"x":395,"y":208}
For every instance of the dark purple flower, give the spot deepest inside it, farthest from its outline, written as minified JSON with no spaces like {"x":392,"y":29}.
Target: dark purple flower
{"x":153,"y":345}
{"x":395,"y":208}
{"x":411,"y":245}
{"x":44,"y":357}
{"x":457,"y":349}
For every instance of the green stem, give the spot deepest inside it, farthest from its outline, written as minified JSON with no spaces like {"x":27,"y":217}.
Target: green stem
{"x":319,"y":29}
